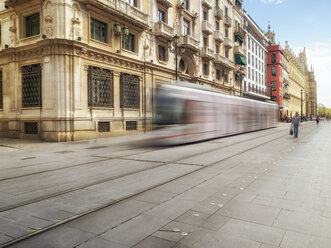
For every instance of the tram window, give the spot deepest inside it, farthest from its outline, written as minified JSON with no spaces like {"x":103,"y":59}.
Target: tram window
{"x":168,"y":110}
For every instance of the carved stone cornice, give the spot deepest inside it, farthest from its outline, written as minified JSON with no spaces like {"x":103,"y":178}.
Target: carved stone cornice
{"x":108,"y":58}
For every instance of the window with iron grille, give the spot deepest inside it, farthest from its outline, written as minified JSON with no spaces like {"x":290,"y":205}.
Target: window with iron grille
{"x":100,"y":87}
{"x":130,"y":92}
{"x":1,"y":89}
{"x":30,"y":127}
{"x":31,"y":86}
{"x":131,"y":125}
{"x":32,"y":25}
{"x":103,"y":126}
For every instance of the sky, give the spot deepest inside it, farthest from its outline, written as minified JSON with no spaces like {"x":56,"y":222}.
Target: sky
{"x":303,"y":23}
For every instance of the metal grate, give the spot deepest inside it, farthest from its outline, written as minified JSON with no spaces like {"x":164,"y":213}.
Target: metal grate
{"x":30,"y":127}
{"x":31,"y":85}
{"x":1,"y":105}
{"x":103,"y":126}
{"x":130,"y":94}
{"x":131,"y":125}
{"x":100,"y":87}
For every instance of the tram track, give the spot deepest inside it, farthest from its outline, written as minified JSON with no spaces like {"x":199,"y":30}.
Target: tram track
{"x":102,"y":159}
{"x":72,"y":189}
{"x":77,"y":216}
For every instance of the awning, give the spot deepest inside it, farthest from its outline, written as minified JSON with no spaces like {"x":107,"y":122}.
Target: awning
{"x":238,"y":38}
{"x":240,"y":60}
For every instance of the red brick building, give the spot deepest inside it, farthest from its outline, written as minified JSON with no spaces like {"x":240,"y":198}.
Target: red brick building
{"x":275,"y":73}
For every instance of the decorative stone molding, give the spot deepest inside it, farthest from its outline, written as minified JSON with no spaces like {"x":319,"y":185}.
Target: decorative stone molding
{"x":12,"y":29}
{"x":75,"y":21}
{"x":108,"y":59}
{"x":48,"y":19}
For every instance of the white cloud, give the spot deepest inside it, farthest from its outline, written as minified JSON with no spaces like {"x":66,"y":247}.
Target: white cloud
{"x":272,"y":1}
{"x":319,"y":56}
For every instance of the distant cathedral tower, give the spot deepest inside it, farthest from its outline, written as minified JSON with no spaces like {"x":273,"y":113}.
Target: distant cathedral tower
{"x":271,"y":36}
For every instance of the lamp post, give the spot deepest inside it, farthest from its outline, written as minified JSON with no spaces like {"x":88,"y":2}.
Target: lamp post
{"x":176,"y":49}
{"x":301,"y":104}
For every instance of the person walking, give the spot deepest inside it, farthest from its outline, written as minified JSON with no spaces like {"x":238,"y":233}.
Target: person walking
{"x":295,"y":122}
{"x":317,"y":120}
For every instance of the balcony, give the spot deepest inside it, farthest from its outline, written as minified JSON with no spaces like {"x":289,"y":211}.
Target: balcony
{"x":238,"y":6}
{"x":206,"y":52}
{"x":207,"y":3}
{"x":181,"y":10}
{"x":225,"y":62}
{"x":228,"y":42}
{"x":218,"y":13}
{"x":163,"y":30}
{"x":219,"y":36}
{"x":239,"y":50}
{"x":123,"y":10}
{"x":239,"y":31}
{"x":189,"y":42}
{"x":168,"y":3}
{"x":227,"y":21}
{"x":207,"y":27}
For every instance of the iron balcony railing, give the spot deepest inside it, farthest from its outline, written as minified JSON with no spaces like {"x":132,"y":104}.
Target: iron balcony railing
{"x":218,"y":13}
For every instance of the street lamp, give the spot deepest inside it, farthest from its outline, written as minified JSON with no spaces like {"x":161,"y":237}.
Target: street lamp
{"x":177,"y":50}
{"x":301,"y":104}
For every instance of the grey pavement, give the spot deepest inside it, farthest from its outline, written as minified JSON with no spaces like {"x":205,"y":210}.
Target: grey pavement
{"x":262,"y":189}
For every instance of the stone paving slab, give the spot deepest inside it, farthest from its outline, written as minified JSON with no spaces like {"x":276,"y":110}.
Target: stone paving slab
{"x":111,"y":217}
{"x":299,"y":240}
{"x":62,"y":236}
{"x":174,"y":231}
{"x":135,"y":230}
{"x":248,"y":230}
{"x":152,"y":242}
{"x":250,"y":212}
{"x":309,"y":222}
{"x":5,"y":238}
{"x":97,"y":242}
{"x":217,"y":240}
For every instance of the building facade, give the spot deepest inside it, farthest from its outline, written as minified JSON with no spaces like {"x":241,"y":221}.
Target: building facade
{"x":255,"y":83}
{"x":275,"y":72}
{"x":297,"y":82}
{"x":293,"y":84}
{"x":311,"y":104}
{"x":79,"y":69}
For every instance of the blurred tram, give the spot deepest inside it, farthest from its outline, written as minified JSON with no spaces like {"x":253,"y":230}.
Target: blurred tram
{"x":185,"y":113}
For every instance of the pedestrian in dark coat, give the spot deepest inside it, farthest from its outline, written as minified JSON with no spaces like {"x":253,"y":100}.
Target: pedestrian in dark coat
{"x":296,"y":122}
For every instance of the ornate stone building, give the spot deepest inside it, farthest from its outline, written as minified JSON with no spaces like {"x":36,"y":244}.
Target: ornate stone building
{"x":298,"y":81}
{"x":311,"y":102}
{"x":78,"y":69}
